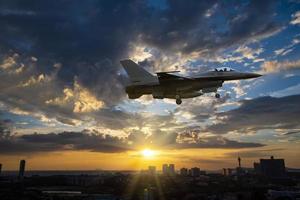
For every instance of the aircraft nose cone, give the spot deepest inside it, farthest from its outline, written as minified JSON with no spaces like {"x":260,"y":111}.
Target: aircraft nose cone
{"x":253,"y":75}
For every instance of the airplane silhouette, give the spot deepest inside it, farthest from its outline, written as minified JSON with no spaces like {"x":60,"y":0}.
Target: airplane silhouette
{"x":169,"y":85}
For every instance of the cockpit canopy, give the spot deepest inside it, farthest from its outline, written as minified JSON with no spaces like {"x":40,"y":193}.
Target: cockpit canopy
{"x":224,"y":69}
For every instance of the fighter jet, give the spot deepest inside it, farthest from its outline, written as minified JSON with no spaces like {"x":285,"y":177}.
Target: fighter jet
{"x":172,"y":86}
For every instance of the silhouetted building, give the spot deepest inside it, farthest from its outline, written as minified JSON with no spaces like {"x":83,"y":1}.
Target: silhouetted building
{"x":239,"y":161}
{"x":165,"y":169}
{"x":257,"y":167}
{"x":240,"y":171}
{"x":227,"y":171}
{"x":168,"y":169}
{"x":149,"y":193}
{"x":183,"y":171}
{"x":171,"y":169}
{"x":195,"y":171}
{"x":152,"y":170}
{"x":273,"y":168}
{"x":224,"y":172}
{"x":22,"y":169}
{"x":0,"y":168}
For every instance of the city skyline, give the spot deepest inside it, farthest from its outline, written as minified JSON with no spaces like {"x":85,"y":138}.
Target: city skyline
{"x":62,"y":99}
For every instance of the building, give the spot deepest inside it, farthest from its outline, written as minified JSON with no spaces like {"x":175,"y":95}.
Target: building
{"x":195,"y":171}
{"x":224,"y":172}
{"x":227,"y":171}
{"x":168,"y":169}
{"x":183,"y":171}
{"x":0,"y":168}
{"x":151,"y":170}
{"x":149,"y":193}
{"x":22,"y":169}
{"x":165,"y":169}
{"x":240,"y":171}
{"x":273,"y":168}
{"x":171,"y":169}
{"x":256,"y":167}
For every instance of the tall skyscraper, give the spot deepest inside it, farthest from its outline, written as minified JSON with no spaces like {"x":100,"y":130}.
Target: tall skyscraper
{"x":171,"y":169}
{"x":168,"y":169}
{"x":22,"y":169}
{"x":239,"y":160}
{"x":165,"y":169}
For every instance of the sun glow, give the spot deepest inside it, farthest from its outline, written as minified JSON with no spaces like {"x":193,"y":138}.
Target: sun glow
{"x":148,"y":153}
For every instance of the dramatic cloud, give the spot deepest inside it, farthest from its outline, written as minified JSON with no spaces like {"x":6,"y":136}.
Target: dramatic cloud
{"x":59,"y":63}
{"x":194,"y":140}
{"x":292,"y":132}
{"x":296,"y":18}
{"x":84,"y":38}
{"x":82,"y":99}
{"x":98,"y":142}
{"x":276,"y":66}
{"x":5,"y":126}
{"x":38,"y":143}
{"x":256,"y":153}
{"x":249,"y":53}
{"x":194,"y":31}
{"x":260,"y":113}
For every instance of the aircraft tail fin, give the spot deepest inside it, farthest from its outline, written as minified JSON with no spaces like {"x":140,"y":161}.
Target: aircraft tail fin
{"x":136,"y":73}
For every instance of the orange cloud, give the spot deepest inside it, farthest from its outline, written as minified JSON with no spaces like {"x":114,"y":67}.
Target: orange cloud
{"x":275,"y":66}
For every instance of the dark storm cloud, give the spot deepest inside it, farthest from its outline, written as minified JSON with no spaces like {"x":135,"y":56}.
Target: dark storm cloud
{"x":260,"y":113}
{"x":102,"y":29}
{"x":210,"y":25}
{"x":217,"y":142}
{"x":187,"y":140}
{"x":255,"y":153}
{"x":170,"y":28}
{"x":85,"y":140}
{"x":79,"y":34}
{"x":88,"y":38}
{"x":98,"y":142}
{"x":292,"y":133}
{"x":70,"y":30}
{"x":193,"y":139}
{"x":5,"y":128}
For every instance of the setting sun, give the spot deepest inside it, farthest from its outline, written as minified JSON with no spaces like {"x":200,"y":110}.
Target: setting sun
{"x":148,"y":153}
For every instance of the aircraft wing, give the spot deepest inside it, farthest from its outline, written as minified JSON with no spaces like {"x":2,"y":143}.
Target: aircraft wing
{"x":211,"y":76}
{"x":167,"y":76}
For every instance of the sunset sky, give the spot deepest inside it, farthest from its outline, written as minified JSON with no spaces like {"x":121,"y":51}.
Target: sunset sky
{"x":62,"y":99}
